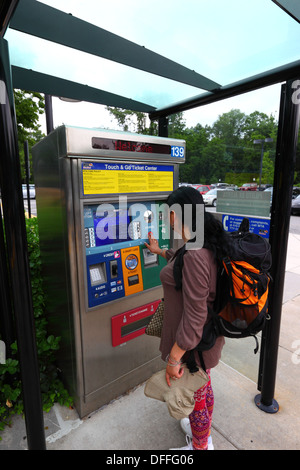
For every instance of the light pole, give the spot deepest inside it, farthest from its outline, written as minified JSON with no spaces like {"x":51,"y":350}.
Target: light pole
{"x":49,"y":110}
{"x":262,"y":141}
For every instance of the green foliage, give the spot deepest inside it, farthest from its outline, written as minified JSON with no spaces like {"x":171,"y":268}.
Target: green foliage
{"x":52,"y":389}
{"x":224,"y":151}
{"x":29,"y":106}
{"x":133,"y":121}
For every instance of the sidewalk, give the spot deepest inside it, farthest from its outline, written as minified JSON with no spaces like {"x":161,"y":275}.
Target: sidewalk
{"x":134,"y":422}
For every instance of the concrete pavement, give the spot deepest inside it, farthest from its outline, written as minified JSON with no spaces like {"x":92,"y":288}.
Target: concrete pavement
{"x":134,"y":422}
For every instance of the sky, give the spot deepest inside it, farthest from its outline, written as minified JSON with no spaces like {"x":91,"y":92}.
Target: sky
{"x":225,"y":41}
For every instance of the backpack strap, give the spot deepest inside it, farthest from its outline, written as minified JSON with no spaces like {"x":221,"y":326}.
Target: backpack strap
{"x":228,"y":266}
{"x":257,"y":345}
{"x":208,"y":340}
{"x":191,"y":362}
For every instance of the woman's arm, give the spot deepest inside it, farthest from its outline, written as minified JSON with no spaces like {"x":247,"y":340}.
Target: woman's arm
{"x":153,"y":246}
{"x":174,"y":368}
{"x":195,"y":291}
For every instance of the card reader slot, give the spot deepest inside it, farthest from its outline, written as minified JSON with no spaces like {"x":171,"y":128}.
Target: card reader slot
{"x":113,"y":269}
{"x":150,"y":259}
{"x":133,"y":280}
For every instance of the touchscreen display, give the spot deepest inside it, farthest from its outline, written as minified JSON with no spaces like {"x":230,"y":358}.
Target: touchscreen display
{"x":111,"y":227}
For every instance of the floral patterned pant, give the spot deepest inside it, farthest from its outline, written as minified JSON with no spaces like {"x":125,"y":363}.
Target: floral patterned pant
{"x":201,"y":416}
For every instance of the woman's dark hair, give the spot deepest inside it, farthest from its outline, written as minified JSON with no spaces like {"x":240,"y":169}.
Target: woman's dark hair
{"x":216,"y":238}
{"x":183,"y":197}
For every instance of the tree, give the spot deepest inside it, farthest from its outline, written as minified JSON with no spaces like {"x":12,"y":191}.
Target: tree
{"x":133,"y":121}
{"x":136,"y":121}
{"x":214,"y":161}
{"x":230,"y":127}
{"x":259,"y":126}
{"x":176,"y":125}
{"x":267,"y":169}
{"x":223,"y":152}
{"x":194,"y":169}
{"x":29,"y":106}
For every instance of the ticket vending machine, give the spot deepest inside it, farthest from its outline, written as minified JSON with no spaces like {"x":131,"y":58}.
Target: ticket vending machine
{"x":99,"y":193}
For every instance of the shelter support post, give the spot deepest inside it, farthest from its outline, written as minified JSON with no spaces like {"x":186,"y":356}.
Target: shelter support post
{"x":49,"y":113}
{"x":163,"y":123}
{"x":17,"y":256}
{"x":288,"y":128}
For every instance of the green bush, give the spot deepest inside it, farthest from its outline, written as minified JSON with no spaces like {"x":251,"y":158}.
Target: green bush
{"x":52,"y":389}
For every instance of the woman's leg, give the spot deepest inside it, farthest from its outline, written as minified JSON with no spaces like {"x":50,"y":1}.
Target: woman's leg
{"x":210,"y":401}
{"x":200,"y":418}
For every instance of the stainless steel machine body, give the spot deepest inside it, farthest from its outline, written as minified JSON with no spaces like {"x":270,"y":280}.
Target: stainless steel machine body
{"x":99,"y":193}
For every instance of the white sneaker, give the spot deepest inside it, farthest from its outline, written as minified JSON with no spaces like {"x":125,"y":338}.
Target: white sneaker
{"x":186,"y":427}
{"x":210,"y":445}
{"x":189,"y":445}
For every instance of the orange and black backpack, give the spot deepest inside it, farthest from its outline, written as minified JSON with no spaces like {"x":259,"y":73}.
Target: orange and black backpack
{"x":241,"y":305}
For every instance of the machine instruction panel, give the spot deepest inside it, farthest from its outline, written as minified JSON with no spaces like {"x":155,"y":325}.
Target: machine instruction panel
{"x":120,"y":178}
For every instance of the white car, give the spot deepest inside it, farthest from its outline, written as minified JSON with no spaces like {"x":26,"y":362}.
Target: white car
{"x":210,"y":198}
{"x":296,"y":205}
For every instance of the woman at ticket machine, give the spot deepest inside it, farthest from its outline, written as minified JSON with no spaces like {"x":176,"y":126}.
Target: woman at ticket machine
{"x":186,"y":310}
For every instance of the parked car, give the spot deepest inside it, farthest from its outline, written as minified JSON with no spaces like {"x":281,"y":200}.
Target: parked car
{"x":202,"y":188}
{"x":219,"y":185}
{"x":210,"y":198}
{"x":248,"y":187}
{"x":31,"y":191}
{"x":263,"y":187}
{"x":296,"y":205}
{"x":296,"y":192}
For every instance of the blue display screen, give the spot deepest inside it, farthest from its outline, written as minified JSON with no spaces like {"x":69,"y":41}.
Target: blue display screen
{"x":111,"y":227}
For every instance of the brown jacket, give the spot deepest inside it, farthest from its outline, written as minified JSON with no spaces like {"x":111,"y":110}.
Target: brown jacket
{"x":186,"y":310}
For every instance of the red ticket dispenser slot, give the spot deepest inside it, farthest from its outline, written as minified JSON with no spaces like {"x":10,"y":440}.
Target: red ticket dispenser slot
{"x":131,"y":324}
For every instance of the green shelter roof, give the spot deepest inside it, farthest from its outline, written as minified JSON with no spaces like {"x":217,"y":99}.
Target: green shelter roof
{"x":154,"y":57}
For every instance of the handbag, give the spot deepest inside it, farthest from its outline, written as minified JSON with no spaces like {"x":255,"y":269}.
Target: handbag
{"x":179,"y":397}
{"x":154,"y":327}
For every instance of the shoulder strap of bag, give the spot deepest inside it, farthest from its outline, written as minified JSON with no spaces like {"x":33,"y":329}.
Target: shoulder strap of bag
{"x":191,"y":362}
